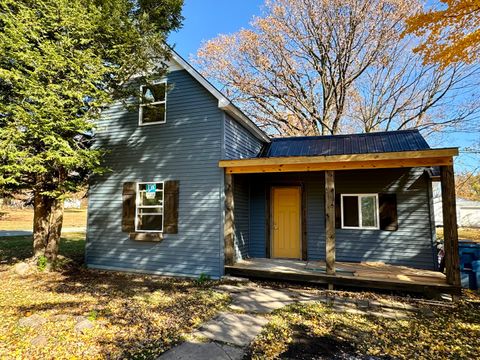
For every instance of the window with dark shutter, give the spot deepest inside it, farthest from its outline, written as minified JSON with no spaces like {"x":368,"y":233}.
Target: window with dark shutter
{"x":388,"y":212}
{"x":150,"y":209}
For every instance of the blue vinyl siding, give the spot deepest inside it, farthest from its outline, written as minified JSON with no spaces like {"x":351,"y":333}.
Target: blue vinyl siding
{"x":256,"y":246}
{"x":239,"y":142}
{"x":241,"y":193}
{"x":186,"y":148}
{"x":411,"y":245}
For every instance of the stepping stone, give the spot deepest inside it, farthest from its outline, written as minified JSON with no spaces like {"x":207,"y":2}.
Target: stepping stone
{"x":237,"y":329}
{"x":261,"y":300}
{"x":203,"y":351}
{"x":32,"y":321}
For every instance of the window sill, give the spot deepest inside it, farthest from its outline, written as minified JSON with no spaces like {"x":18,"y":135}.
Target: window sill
{"x":146,"y":236}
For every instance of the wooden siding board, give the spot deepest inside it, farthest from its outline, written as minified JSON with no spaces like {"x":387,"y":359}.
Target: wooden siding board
{"x":187,"y":148}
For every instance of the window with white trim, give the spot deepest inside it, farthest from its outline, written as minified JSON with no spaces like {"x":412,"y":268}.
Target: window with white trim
{"x":153,"y":104}
{"x":360,"y":211}
{"x":149,"y":207}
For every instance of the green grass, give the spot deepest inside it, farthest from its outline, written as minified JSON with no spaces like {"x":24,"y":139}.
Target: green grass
{"x":17,"y":248}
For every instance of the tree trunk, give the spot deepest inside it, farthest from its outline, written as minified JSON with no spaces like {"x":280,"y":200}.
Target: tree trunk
{"x":47,"y":227}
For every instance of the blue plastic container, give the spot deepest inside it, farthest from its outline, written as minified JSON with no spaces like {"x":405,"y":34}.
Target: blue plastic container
{"x":476,"y":271}
{"x":469,"y":252}
{"x":468,"y":279}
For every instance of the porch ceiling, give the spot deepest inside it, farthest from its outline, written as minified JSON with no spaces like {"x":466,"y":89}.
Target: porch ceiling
{"x":401,"y":159}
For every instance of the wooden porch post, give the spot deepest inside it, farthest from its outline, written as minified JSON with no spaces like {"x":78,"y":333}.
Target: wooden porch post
{"x":330,"y":221}
{"x":229,"y":226}
{"x":450,"y":233}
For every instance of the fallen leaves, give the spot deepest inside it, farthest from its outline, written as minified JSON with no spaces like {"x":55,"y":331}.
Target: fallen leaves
{"x":129,"y":316}
{"x":448,"y":332}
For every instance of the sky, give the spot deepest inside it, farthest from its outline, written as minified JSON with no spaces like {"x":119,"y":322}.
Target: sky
{"x":206,"y":19}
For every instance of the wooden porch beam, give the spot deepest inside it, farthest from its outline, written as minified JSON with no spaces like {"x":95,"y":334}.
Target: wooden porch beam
{"x":343,"y":165}
{"x":330,"y":222}
{"x":229,"y":224}
{"x":450,"y":232}
{"x":398,"y":155}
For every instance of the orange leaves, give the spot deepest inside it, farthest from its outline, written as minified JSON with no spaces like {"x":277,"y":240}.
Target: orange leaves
{"x":453,"y":32}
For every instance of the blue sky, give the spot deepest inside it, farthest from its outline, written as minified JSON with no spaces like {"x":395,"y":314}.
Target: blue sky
{"x":205,"y":19}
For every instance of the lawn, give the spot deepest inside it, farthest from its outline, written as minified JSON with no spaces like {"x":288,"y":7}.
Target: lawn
{"x":316,"y":331}
{"x":463,"y":234}
{"x":133,"y":316}
{"x":141,"y":316}
{"x":22,"y":219}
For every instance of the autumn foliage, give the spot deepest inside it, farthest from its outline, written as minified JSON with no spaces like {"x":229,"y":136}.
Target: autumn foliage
{"x":318,"y":67}
{"x":453,"y":32}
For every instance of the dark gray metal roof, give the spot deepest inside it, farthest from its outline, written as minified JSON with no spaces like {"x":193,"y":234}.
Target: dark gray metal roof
{"x":390,"y":141}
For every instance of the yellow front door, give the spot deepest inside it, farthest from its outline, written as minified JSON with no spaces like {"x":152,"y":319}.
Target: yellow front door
{"x":286,"y":230}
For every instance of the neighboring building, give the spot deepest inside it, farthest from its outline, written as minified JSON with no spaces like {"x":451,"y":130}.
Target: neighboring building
{"x":195,"y":187}
{"x":468,"y":211}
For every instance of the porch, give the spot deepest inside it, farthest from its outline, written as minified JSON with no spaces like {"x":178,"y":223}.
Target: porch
{"x":340,"y":209}
{"x":348,"y":274}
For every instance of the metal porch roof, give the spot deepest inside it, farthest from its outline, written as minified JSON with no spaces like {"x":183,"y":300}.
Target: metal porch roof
{"x":377,"y":142}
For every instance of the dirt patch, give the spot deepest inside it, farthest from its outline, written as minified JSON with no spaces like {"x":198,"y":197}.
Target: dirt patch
{"x":306,"y":346}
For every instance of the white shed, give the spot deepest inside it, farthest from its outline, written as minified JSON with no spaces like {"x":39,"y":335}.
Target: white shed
{"x":468,"y":212}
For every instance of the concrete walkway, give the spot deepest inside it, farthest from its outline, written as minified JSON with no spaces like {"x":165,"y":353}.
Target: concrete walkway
{"x":7,"y":233}
{"x":227,"y":335}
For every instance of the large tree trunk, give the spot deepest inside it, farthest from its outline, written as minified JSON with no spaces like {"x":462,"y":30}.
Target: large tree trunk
{"x":47,"y":227}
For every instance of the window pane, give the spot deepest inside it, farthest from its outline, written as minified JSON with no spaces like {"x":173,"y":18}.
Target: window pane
{"x":149,"y":199}
{"x":142,"y":211}
{"x":350,"y":211}
{"x":153,"y":113}
{"x":150,"y":222}
{"x":153,"y":93}
{"x":369,"y":211}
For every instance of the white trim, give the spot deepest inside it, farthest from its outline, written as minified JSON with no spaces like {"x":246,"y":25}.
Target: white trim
{"x":359,"y":207}
{"x":137,"y":205}
{"x":140,"y":108}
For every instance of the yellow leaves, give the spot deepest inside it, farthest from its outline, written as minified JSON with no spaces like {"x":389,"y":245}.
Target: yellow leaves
{"x":453,"y":332}
{"x":452,"y":32}
{"x":130,"y":319}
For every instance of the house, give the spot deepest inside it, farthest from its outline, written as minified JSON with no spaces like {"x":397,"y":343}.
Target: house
{"x":468,"y":211}
{"x":195,"y":187}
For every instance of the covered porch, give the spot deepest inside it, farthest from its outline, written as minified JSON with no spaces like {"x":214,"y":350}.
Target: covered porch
{"x":330,"y":173}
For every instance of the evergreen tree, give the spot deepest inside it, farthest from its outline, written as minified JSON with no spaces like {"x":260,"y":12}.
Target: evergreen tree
{"x":61,"y":62}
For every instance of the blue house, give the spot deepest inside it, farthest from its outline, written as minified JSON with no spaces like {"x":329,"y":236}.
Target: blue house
{"x":195,"y":187}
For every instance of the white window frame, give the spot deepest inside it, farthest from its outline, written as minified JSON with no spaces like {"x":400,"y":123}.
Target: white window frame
{"x":359,"y":204}
{"x":140,"y":108}
{"x":137,"y":205}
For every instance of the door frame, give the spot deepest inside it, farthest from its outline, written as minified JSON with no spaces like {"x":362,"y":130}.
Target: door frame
{"x":269,"y":217}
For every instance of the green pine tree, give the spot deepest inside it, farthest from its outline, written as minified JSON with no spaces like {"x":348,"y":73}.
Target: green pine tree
{"x":61,"y":62}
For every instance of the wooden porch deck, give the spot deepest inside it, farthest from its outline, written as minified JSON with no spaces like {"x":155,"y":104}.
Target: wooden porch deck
{"x":365,"y":275}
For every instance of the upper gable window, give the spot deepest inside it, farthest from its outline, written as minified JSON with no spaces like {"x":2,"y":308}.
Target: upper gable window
{"x":153,"y":104}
